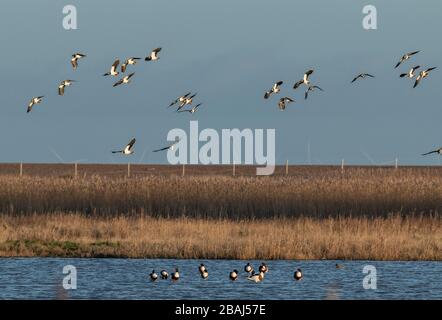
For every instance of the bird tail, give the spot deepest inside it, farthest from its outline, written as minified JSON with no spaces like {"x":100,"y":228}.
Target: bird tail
{"x":147,"y":59}
{"x":106,"y":74}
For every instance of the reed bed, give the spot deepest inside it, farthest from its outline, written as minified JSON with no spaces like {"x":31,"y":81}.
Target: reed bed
{"x":76,"y":235}
{"x":357,"y":192}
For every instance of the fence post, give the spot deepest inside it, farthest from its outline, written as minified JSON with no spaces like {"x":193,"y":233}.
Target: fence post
{"x":396,"y":163}
{"x":75,"y":170}
{"x":128,"y":169}
{"x":286,"y":167}
{"x":21,"y":169}
{"x":342,"y":165}
{"x":184,"y":169}
{"x":233,"y":168}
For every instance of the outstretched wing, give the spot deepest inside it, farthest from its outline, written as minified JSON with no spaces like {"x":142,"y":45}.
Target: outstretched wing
{"x":162,"y":149}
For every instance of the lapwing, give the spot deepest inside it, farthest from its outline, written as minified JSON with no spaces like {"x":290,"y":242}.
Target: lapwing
{"x":411,"y":73}
{"x":113,"y":71}
{"x":170,"y":147}
{"x":180,"y":99}
{"x":75,"y":58}
{"x":63,"y":84}
{"x":33,"y":101}
{"x":275,"y":89}
{"x":438,"y":151}
{"x":128,"y":62}
{"x":283,"y":102}
{"x":193,"y":110}
{"x":187,"y":101}
{"x":153,"y":56}
{"x":406,"y":57}
{"x":362,"y":76}
{"x":153,"y":276}
{"x":423,"y":74}
{"x":311,"y":88}
{"x":305,"y":80}
{"x":124,"y":80}
{"x":128,"y":149}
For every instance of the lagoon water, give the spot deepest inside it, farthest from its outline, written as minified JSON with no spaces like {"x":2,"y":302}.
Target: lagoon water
{"x":41,"y":278}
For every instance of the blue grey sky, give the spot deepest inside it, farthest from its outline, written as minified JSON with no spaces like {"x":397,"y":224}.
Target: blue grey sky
{"x":230,"y":52}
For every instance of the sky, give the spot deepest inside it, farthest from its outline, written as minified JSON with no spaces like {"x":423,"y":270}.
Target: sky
{"x":230,"y":52}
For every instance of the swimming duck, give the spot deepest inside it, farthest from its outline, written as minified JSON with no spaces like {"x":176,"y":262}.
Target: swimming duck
{"x":298,"y":275}
{"x":263,"y":268}
{"x":257,"y":277}
{"x":248,"y":268}
{"x":233,"y":275}
{"x":205,"y":274}
{"x":153,"y":276}
{"x":175,"y":275}
{"x":339,"y":266}
{"x":202,"y":268}
{"x":164,"y":274}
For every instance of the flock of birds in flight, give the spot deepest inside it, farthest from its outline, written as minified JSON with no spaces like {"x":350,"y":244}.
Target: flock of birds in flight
{"x":233,"y":275}
{"x":188,"y":98}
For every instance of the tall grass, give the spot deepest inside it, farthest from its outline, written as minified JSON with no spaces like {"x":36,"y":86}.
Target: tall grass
{"x":357,"y":192}
{"x":68,"y":235}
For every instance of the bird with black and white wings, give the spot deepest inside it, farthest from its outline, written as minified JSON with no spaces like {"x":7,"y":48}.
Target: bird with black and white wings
{"x":186,"y":101}
{"x":129,"y":149}
{"x":63,"y":84}
{"x":153,"y":56}
{"x":422,"y":75}
{"x":113,"y":71}
{"x":438,"y":151}
{"x":34,"y":101}
{"x":180,"y":99}
{"x":305,"y":79}
{"x":193,"y":110}
{"x":406,"y":57}
{"x":129,"y":62}
{"x":124,"y":80}
{"x":283,"y":102}
{"x":275,"y":89}
{"x":411,"y":73}
{"x":311,"y":88}
{"x":74,"y":60}
{"x":362,"y":76}
{"x":170,"y":147}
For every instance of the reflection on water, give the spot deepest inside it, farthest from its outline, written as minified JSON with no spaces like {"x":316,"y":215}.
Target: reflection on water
{"x":41,"y":278}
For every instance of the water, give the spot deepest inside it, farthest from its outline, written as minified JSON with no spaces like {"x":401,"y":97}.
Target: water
{"x":41,"y":278}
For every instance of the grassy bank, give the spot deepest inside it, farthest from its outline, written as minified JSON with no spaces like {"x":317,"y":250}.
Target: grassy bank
{"x":76,"y":235}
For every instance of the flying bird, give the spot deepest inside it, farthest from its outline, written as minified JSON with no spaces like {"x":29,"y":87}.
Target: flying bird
{"x":63,"y":84}
{"x":153,"y":56}
{"x":180,"y":99}
{"x":362,"y":76}
{"x":128,"y":149}
{"x":186,"y":101}
{"x":311,"y":88}
{"x":411,"y":73}
{"x":33,"y":101}
{"x":128,"y":62}
{"x":406,"y":57}
{"x":275,"y":89}
{"x":113,"y":70}
{"x":439,"y":151}
{"x":75,"y":58}
{"x":423,"y":74}
{"x":124,"y":80}
{"x":283,"y":102}
{"x":305,"y":80}
{"x":193,"y":110}
{"x":170,"y":147}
